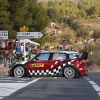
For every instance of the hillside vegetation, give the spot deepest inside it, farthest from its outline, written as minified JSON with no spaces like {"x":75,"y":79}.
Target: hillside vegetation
{"x":76,"y":23}
{"x":76,"y":26}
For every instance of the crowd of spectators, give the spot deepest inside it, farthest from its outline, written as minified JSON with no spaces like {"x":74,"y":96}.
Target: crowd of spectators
{"x":15,"y":49}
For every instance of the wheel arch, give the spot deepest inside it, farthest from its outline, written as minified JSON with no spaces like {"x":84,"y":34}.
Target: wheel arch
{"x":26,"y":71}
{"x":77,"y":73}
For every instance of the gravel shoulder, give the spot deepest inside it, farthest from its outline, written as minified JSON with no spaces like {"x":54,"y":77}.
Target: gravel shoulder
{"x":3,"y":70}
{"x":94,"y":69}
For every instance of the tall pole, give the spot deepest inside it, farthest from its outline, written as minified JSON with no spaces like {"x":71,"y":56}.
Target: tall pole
{"x":24,"y":46}
{"x":24,"y":49}
{"x":24,"y":29}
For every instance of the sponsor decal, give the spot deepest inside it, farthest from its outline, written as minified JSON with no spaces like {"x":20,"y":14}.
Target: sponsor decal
{"x":37,"y":65}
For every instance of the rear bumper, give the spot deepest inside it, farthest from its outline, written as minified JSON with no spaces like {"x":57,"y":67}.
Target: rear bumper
{"x":84,"y":72}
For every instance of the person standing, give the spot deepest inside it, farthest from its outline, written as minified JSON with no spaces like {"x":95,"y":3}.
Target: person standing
{"x":18,"y":50}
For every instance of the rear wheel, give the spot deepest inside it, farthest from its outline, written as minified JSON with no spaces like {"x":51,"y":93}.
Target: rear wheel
{"x":69,"y":72}
{"x":19,"y":71}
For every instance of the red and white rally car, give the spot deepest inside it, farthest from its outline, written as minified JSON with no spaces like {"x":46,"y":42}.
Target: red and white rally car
{"x":52,"y":63}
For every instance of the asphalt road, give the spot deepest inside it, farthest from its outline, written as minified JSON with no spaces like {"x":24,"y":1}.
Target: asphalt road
{"x":53,"y":88}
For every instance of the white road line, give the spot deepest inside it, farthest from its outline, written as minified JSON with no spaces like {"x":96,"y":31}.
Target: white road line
{"x":1,"y":97}
{"x":99,"y":93}
{"x":8,"y":88}
{"x":55,"y":77}
{"x":19,"y":81}
{"x":5,"y":80}
{"x":87,"y":78}
{"x":91,"y":82}
{"x":11,"y":80}
{"x":95,"y":86}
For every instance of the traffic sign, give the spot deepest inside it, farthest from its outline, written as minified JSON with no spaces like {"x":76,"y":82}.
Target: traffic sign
{"x":3,"y":34}
{"x":23,"y":29}
{"x":29,"y":35}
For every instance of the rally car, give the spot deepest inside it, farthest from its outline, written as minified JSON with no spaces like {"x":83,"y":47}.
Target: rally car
{"x":52,"y":63}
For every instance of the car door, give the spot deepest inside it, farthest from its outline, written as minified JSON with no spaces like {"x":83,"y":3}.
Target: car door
{"x":40,"y":65}
{"x":57,"y":62}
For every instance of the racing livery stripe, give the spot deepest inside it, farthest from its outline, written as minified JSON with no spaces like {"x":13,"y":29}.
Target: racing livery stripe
{"x":55,"y":71}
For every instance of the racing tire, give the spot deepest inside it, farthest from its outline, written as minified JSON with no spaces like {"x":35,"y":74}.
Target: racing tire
{"x":19,"y":71}
{"x":69,"y":72}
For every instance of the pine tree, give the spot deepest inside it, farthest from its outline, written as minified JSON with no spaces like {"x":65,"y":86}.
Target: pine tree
{"x":40,"y":20}
{"x":4,"y":15}
{"x":19,"y":14}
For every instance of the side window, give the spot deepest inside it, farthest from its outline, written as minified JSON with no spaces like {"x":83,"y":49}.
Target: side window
{"x":55,"y":55}
{"x":73,"y":56}
{"x":42,"y":56}
{"x":59,"y":56}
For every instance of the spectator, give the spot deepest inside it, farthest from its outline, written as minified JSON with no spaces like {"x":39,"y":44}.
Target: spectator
{"x":7,"y":46}
{"x":18,"y":47}
{"x":18,"y":50}
{"x":12,"y":45}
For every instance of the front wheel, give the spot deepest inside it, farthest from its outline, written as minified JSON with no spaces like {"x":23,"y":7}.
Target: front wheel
{"x":69,"y":72}
{"x":19,"y":71}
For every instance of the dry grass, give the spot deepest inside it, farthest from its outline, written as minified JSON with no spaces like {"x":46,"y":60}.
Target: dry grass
{"x":94,"y":69}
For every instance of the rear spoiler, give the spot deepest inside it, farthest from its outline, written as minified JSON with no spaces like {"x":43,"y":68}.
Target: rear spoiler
{"x":83,"y":55}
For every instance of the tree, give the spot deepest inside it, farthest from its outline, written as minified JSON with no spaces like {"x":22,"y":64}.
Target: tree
{"x":19,"y":14}
{"x":69,"y":35}
{"x":40,"y":20}
{"x":76,"y":24}
{"x":96,"y":34}
{"x":83,"y":31}
{"x":27,"y":13}
{"x":4,"y":15}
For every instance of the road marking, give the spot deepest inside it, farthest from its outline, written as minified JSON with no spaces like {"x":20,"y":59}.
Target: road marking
{"x":8,"y":88}
{"x":99,"y":93}
{"x":95,"y":86}
{"x":20,"y":81}
{"x":10,"y":81}
{"x":91,"y":82}
{"x":87,"y":78}
{"x":1,"y":97}
{"x":5,"y":80}
{"x":55,"y":77}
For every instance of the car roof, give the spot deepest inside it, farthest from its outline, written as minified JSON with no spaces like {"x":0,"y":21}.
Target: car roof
{"x":55,"y":51}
